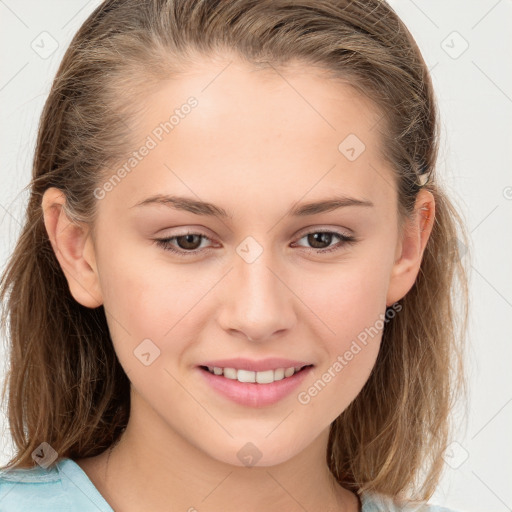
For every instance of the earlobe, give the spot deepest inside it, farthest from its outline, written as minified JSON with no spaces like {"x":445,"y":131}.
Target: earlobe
{"x":415,"y":237}
{"x":73,"y":249}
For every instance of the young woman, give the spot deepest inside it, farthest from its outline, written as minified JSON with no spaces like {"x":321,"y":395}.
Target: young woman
{"x":235,"y":287}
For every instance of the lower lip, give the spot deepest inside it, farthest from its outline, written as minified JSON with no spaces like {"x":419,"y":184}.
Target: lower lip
{"x":252,"y":394}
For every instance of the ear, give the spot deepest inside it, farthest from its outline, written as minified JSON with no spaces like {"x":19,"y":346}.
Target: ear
{"x":73,"y":248}
{"x":411,"y":247}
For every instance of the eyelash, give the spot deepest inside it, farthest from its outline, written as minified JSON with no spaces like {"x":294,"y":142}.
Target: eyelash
{"x":165,"y":243}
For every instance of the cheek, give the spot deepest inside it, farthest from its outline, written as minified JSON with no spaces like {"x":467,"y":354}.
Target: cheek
{"x":153,"y":308}
{"x":345,"y":298}
{"x":349,"y":305}
{"x":143,"y":304}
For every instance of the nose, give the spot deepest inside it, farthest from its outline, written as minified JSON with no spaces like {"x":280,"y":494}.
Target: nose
{"x":257,"y":301}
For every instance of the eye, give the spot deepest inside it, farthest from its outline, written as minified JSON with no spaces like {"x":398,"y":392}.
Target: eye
{"x":319,"y":238}
{"x":189,"y":243}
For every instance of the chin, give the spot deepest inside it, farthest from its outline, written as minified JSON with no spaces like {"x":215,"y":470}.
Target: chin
{"x":257,"y":454}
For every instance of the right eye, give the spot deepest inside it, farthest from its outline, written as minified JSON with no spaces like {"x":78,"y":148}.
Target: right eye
{"x":185,"y":239}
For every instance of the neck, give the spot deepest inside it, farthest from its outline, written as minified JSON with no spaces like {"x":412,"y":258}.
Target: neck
{"x":142,"y":471}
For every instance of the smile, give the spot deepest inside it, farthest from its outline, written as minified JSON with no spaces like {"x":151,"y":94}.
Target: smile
{"x":263,"y":377}
{"x":254,"y":388}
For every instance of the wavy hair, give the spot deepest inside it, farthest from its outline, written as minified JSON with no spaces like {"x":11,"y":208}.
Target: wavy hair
{"x":64,"y":382}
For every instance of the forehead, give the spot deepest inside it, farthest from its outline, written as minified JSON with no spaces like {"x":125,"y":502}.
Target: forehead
{"x":291,"y":129}
{"x":298,"y":101}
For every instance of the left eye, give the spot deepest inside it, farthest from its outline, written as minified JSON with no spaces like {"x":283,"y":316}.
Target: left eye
{"x":188,"y":242}
{"x":325,"y":237}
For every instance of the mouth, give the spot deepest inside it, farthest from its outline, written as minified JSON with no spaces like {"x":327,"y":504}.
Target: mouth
{"x":254,"y":388}
{"x":256,"y":377}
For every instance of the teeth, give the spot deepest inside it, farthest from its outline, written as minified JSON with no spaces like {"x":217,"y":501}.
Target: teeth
{"x":265,"y":377}
{"x":289,"y":372}
{"x":246,"y":376}
{"x":279,"y":374}
{"x":230,"y":373}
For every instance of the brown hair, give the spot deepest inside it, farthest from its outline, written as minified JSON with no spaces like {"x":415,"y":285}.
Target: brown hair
{"x":65,"y":384}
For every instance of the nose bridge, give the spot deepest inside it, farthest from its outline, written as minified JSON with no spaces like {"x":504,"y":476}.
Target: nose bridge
{"x":255,"y":270}
{"x":258,"y":302}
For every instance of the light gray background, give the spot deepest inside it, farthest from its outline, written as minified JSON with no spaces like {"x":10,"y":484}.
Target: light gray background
{"x":474,"y":90}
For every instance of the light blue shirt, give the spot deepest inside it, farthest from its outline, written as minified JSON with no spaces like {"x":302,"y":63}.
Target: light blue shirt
{"x":66,"y":488}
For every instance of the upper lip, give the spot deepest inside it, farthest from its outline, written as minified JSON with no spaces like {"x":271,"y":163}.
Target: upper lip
{"x":253,"y":365}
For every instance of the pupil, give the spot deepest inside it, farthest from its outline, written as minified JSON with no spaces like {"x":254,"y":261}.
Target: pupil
{"x":188,"y":241}
{"x":316,"y":236}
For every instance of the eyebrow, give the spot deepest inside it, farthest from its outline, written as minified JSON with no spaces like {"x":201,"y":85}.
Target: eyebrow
{"x":298,"y":210}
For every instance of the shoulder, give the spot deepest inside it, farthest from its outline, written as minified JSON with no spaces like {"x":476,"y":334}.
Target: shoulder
{"x":374,"y":502}
{"x":60,"y":488}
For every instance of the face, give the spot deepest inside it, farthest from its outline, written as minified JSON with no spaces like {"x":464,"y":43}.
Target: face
{"x":261,"y":281}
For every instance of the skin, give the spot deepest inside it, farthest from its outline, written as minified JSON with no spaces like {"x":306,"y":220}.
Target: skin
{"x":254,"y":146}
